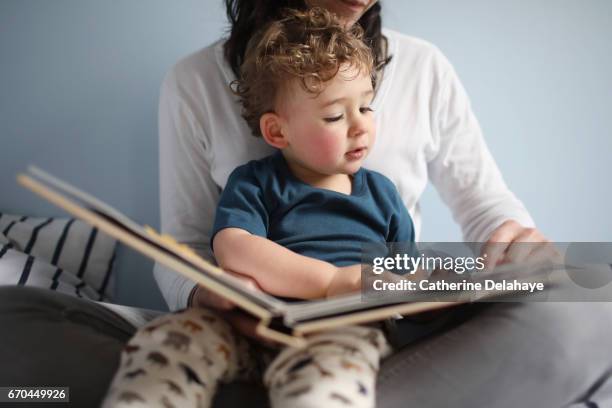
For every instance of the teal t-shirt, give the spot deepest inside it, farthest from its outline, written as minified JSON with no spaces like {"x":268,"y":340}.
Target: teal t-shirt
{"x":264,"y":198}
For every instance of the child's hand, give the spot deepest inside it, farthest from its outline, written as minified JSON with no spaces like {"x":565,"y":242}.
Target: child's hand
{"x":203,"y":297}
{"x":346,"y":279}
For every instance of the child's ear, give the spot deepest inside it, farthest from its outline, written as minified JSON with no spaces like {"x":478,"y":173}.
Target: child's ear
{"x":271,"y":128}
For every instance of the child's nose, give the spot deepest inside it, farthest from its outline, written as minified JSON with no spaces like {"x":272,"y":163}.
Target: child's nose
{"x":358,"y":127}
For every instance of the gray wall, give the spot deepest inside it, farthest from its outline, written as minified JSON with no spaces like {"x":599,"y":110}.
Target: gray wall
{"x":79,"y":84}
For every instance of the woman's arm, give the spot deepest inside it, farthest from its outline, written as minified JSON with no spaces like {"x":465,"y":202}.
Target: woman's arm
{"x":469,"y":181}
{"x":280,"y":271}
{"x":188,"y":195}
{"x":463,"y":170}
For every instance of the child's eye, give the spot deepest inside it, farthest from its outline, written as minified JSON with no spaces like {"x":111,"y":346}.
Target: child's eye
{"x":366,"y":109}
{"x":333,"y":118}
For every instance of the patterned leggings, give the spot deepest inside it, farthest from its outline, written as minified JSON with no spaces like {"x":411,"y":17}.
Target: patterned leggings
{"x":177,"y":360}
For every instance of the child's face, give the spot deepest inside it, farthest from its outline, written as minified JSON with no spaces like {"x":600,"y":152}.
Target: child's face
{"x":330,"y":133}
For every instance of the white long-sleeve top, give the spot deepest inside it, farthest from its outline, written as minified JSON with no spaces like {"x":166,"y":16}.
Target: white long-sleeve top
{"x":426,"y":130}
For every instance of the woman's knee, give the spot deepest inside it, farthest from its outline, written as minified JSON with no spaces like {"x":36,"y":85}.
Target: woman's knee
{"x":51,"y":339}
{"x":18,"y":298}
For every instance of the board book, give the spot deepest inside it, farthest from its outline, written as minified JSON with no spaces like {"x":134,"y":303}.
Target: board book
{"x":279,"y":320}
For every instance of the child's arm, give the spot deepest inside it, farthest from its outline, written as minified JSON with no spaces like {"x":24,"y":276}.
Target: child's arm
{"x":280,"y":271}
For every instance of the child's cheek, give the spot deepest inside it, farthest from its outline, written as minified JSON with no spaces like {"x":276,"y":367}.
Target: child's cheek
{"x":325,"y":149}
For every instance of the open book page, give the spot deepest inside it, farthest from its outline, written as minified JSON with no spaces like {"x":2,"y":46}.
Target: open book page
{"x":92,"y":210}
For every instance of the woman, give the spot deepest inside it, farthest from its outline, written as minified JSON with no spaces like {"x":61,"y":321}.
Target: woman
{"x":426,"y":130}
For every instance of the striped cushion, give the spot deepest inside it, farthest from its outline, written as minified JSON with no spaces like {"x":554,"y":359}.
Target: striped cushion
{"x":58,"y":253}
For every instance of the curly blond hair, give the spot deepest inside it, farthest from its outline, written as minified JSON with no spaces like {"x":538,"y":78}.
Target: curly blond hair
{"x":308,"y":46}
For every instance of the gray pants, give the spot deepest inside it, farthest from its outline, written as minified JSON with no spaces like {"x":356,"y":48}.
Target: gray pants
{"x":505,"y":355}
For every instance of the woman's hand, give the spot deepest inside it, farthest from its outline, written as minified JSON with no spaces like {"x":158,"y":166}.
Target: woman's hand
{"x":203,"y":297}
{"x":240,"y":321}
{"x":513,"y":243}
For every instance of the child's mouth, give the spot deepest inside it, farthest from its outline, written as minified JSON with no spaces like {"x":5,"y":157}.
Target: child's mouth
{"x":356,"y":154}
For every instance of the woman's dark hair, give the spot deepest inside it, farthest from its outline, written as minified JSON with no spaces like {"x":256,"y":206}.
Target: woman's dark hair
{"x":247,"y":16}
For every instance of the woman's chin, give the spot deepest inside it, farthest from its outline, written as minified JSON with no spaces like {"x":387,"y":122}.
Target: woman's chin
{"x":349,"y":11}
